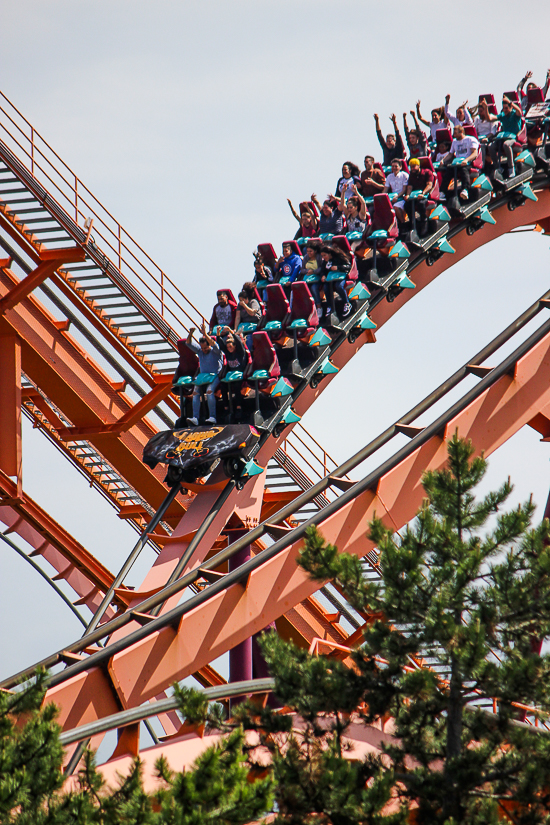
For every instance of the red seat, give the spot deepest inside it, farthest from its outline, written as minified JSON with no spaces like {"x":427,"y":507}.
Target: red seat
{"x":294,"y":246}
{"x":426,"y":163}
{"x":188,"y":365}
{"x":309,"y":205}
{"x":535,"y":95}
{"x":383,"y":216}
{"x":513,"y":96}
{"x":265,"y":368}
{"x":470,"y":130}
{"x":443,"y":135}
{"x":302,"y":309}
{"x":277,"y":310}
{"x":268,"y":254}
{"x":521,"y":137}
{"x":342,"y":242}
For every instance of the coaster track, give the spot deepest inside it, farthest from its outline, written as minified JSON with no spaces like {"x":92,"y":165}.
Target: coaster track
{"x":155,"y":638}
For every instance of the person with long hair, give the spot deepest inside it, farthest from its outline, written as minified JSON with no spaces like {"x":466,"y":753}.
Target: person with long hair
{"x":351,"y":176}
{"x":335,"y":260}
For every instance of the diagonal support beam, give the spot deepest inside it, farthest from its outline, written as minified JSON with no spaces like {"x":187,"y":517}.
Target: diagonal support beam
{"x":51,"y":260}
{"x":131,"y":417}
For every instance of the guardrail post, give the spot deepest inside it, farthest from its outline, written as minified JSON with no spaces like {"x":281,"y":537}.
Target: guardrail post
{"x":76,"y":198}
{"x":32,"y":150}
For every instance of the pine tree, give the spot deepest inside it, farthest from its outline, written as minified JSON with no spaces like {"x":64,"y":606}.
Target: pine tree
{"x":471,"y":603}
{"x":216,"y":791}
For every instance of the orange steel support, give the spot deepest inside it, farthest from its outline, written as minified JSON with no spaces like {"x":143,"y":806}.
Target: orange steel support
{"x":10,"y":408}
{"x":56,"y":363}
{"x":24,"y":516}
{"x":145,"y":669}
{"x":51,"y":259}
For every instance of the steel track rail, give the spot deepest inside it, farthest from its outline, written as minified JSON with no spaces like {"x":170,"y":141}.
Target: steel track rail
{"x":173,"y":617}
{"x":129,"y":717}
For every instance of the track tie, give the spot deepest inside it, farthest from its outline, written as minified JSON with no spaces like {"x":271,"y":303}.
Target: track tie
{"x":408,"y":429}
{"x":481,"y":372}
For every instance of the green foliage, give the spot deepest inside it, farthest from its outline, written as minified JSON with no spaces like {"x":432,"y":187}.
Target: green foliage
{"x":216,"y":790}
{"x":471,"y":605}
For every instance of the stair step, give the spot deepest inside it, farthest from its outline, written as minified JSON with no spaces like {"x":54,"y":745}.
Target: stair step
{"x":44,"y":230}
{"x":31,"y":209}
{"x":116,"y":306}
{"x":45,"y":219}
{"x":160,"y":360}
{"x":145,"y":332}
{"x":79,"y":278}
{"x":106,"y":285}
{"x":134,"y":324}
{"x":11,"y":191}
{"x":14,"y":203}
{"x":158,"y":351}
{"x":127,"y":315}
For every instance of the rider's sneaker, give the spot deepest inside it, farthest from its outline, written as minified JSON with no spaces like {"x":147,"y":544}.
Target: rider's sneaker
{"x":193,"y":422}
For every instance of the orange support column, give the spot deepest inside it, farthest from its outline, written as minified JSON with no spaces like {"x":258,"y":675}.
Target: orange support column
{"x":10,"y":408}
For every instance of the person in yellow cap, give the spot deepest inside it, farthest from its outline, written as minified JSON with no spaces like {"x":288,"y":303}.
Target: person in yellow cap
{"x":423,"y":180}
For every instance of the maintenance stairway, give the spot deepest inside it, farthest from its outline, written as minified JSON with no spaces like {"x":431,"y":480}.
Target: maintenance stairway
{"x":74,"y":282}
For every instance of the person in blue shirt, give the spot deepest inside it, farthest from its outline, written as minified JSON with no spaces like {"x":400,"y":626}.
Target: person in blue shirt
{"x":511,"y":122}
{"x":289,"y":264}
{"x":210,"y":360}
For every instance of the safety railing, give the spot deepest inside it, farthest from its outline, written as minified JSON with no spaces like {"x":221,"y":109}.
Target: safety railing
{"x":83,"y":207}
{"x":53,"y":174}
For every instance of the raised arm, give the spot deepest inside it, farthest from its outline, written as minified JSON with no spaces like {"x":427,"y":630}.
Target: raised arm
{"x":293,"y":210}
{"x":379,"y":135}
{"x":189,"y":338}
{"x":342,"y":201}
{"x":546,"y":85}
{"x":420,"y":118}
{"x":523,"y":81}
{"x":363,"y":205}
{"x":416,"y":123}
{"x":208,"y":337}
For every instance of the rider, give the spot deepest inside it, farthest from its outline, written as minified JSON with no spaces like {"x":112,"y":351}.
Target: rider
{"x":210,"y":361}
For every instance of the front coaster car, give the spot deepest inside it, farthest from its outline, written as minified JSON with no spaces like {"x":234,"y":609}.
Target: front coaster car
{"x":191,"y":453}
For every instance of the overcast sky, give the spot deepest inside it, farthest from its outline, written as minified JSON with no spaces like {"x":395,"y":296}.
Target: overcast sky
{"x":193,"y":122}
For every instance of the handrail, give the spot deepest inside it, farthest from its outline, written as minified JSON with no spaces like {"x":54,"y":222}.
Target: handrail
{"x":159,"y":286}
{"x":73,"y":192}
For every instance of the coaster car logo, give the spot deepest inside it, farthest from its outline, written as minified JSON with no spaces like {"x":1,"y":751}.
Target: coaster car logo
{"x":192,"y":441}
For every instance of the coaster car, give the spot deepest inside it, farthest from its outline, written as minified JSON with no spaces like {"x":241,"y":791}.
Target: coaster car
{"x":191,"y":453}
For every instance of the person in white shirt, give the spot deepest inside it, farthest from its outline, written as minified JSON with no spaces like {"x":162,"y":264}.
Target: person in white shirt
{"x":465,"y":148}
{"x":396,"y":183}
{"x":463,"y":116}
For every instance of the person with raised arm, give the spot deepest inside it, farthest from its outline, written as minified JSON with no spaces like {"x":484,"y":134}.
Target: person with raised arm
{"x":416,"y":140}
{"x":392,"y":146}
{"x":511,"y":122}
{"x":355,"y":210}
{"x":210,"y":361}
{"x":435,"y":123}
{"x":462,"y":117}
{"x":307,"y":220}
{"x":523,"y":94}
{"x":331,"y":220}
